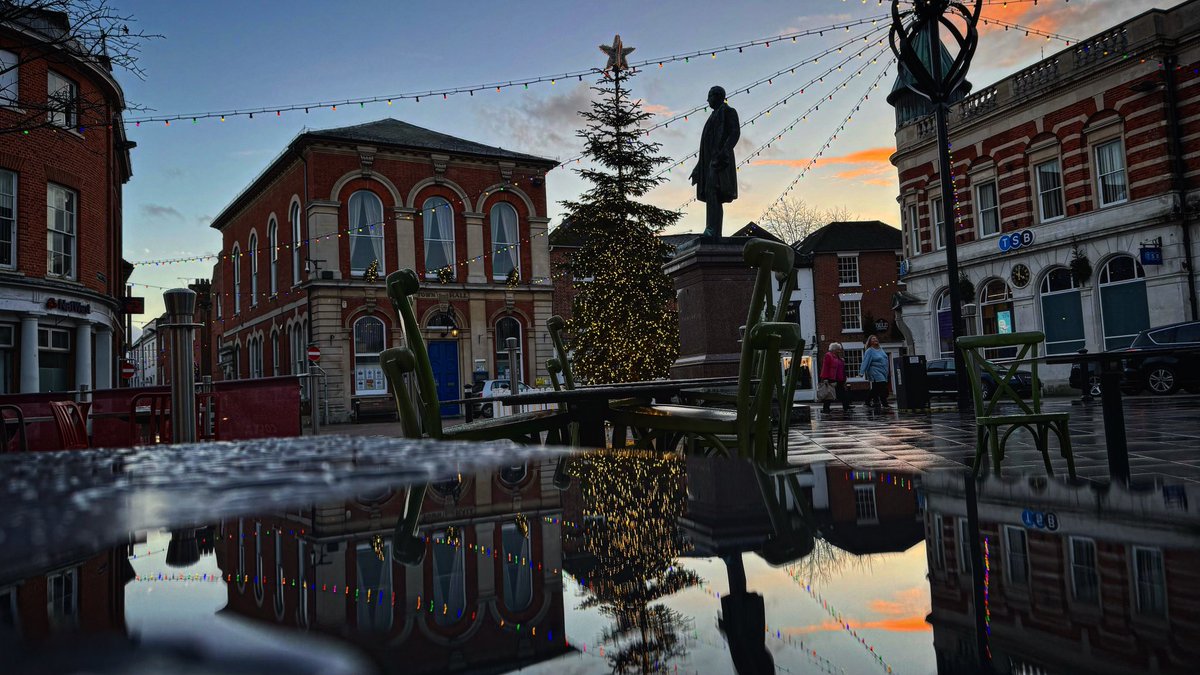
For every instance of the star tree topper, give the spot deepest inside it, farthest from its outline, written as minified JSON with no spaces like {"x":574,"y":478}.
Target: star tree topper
{"x":616,"y":54}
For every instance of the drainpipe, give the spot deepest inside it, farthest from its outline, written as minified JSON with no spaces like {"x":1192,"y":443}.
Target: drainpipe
{"x":1179,"y":181}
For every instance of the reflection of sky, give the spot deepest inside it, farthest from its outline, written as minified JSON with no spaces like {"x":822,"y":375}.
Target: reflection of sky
{"x":884,"y":597}
{"x":187,"y":611}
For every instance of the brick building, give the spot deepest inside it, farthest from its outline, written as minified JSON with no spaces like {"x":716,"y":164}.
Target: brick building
{"x":457,"y":608}
{"x":1075,"y":155}
{"x":1107,"y":586}
{"x":301,"y":242}
{"x":853,"y":272}
{"x":62,"y":167}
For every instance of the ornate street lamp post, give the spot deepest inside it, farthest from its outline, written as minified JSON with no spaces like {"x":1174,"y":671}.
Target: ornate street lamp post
{"x":934,"y":81}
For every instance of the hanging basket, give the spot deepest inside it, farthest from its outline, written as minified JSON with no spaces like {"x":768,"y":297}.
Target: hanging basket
{"x":1081,"y":267}
{"x":966,"y":289}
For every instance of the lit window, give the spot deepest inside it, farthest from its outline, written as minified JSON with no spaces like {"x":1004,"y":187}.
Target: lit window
{"x":8,"y":217}
{"x":847,"y":269}
{"x":989,"y":209}
{"x":1085,"y":579}
{"x":851,"y":316}
{"x":60,"y":221}
{"x":505,"y":243}
{"x":366,"y":232}
{"x":1018,"y":555}
{"x":1151,"y":584}
{"x":62,"y":100}
{"x":1050,"y":189}
{"x":1110,"y":173}
{"x":439,"y":236}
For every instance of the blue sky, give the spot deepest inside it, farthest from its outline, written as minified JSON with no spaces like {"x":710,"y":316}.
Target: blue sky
{"x":221,"y":55}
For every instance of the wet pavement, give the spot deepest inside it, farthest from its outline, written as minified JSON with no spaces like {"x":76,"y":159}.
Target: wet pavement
{"x":1163,"y":435}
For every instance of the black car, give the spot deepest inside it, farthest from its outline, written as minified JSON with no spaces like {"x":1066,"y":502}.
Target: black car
{"x":1165,"y":358}
{"x":942,"y":381}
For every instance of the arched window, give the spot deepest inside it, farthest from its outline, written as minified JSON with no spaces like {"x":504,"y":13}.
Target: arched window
{"x":273,"y":251}
{"x":366,"y":231}
{"x":996,"y":315}
{"x":276,"y":368}
{"x":506,"y":254}
{"x":518,"y":575}
{"x":375,"y":572}
{"x":449,"y":580}
{"x":439,"y":236}
{"x":254,"y":348}
{"x":508,"y":327}
{"x":368,"y":342}
{"x":259,"y":579}
{"x":301,"y":579}
{"x":241,"y":561}
{"x":1124,"y":311}
{"x":945,"y":326}
{"x":1062,"y":312}
{"x":252,"y":250}
{"x":237,"y":279}
{"x":296,"y":267}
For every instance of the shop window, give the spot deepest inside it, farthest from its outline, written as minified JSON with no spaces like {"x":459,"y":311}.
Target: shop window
{"x":438,"y":218}
{"x":54,"y":359}
{"x":996,"y":315}
{"x":505,"y":328}
{"x":368,"y":343}
{"x":366,"y":232}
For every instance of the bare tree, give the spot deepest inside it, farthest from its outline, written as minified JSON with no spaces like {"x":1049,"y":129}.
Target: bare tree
{"x":794,"y":219}
{"x":78,"y":34}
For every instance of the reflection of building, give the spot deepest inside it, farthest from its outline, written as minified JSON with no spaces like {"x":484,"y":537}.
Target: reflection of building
{"x":458,"y":609}
{"x":61,"y":272}
{"x":868,"y":511}
{"x":1076,"y":151}
{"x":1111,"y":589}
{"x":79,"y":596}
{"x":302,"y":242}
{"x":853,"y":271}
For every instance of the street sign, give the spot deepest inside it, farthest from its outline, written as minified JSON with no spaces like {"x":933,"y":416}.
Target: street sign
{"x":314,"y":353}
{"x":133,"y":305}
{"x":128,"y":370}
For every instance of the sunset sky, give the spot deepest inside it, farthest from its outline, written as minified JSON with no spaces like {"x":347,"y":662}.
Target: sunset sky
{"x":222,"y":55}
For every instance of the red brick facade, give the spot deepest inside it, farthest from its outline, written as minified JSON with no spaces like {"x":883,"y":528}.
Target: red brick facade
{"x":91,"y":160}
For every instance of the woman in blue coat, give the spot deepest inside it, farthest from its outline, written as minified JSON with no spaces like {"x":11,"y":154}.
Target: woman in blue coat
{"x":875,"y":369}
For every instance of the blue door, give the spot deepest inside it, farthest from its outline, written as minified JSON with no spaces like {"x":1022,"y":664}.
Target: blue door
{"x":443,"y":356}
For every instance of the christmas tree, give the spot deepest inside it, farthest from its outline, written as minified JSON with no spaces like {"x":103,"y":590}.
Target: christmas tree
{"x":625,"y":326}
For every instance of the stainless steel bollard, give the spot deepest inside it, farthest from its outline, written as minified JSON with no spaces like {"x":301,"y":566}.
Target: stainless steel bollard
{"x":181,"y":305}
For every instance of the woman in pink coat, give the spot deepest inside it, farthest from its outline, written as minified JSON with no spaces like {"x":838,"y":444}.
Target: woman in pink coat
{"x":833,"y":370}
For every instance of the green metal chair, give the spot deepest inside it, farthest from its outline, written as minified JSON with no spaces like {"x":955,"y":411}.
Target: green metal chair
{"x":524,"y":427}
{"x":989,"y":422}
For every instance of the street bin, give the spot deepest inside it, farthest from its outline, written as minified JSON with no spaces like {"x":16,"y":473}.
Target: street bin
{"x":912,"y":384}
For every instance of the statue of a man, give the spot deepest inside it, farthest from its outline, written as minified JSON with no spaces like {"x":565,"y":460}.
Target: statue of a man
{"x":715,"y":175}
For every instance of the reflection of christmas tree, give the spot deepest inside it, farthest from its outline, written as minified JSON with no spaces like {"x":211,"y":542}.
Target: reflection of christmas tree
{"x":632,"y":502}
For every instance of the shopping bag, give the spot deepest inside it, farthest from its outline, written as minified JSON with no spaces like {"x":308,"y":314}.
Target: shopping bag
{"x":826,"y":392}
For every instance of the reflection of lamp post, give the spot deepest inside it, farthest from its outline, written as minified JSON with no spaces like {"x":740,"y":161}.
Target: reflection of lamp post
{"x":937,"y":84}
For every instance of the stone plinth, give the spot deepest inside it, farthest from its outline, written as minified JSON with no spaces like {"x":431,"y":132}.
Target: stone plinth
{"x":713,"y":286}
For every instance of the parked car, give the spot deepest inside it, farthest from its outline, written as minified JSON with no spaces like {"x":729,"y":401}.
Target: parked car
{"x":488,"y":388}
{"x":941,"y":376}
{"x":1156,"y":364}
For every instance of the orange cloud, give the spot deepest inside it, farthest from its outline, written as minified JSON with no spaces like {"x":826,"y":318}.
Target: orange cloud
{"x":861,"y":171}
{"x":879,"y":158}
{"x":907,"y":624}
{"x":794,"y":163}
{"x":1025,"y":14}
{"x":657,"y":109}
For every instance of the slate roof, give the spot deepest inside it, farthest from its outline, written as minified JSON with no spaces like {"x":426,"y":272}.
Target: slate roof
{"x":852,"y":235}
{"x":391,"y":131}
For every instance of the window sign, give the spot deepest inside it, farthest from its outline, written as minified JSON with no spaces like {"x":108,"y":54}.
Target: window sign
{"x":1004,"y":322}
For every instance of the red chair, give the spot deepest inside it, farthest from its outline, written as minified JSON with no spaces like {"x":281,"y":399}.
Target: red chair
{"x":71,"y":419}
{"x":150,"y":419}
{"x":12,"y":440}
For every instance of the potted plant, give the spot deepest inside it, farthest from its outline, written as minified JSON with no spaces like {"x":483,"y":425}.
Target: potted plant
{"x":966,"y":289}
{"x":1081,"y":267}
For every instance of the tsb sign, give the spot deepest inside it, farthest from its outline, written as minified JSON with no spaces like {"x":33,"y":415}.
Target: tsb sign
{"x":1015,"y":240}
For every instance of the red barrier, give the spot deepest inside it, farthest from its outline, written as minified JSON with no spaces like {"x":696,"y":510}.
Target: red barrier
{"x":260,"y":408}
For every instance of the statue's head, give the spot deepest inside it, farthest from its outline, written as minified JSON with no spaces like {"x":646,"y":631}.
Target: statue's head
{"x":716,"y":96}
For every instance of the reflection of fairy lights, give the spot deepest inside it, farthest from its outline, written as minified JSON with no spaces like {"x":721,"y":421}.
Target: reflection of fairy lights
{"x":987,"y":609}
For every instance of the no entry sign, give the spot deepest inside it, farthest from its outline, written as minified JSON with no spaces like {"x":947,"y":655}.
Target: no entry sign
{"x":314,"y":353}
{"x":128,"y":370}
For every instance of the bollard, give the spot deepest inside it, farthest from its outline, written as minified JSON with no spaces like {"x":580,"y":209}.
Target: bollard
{"x":314,"y":399}
{"x":514,"y":371}
{"x":181,"y":304}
